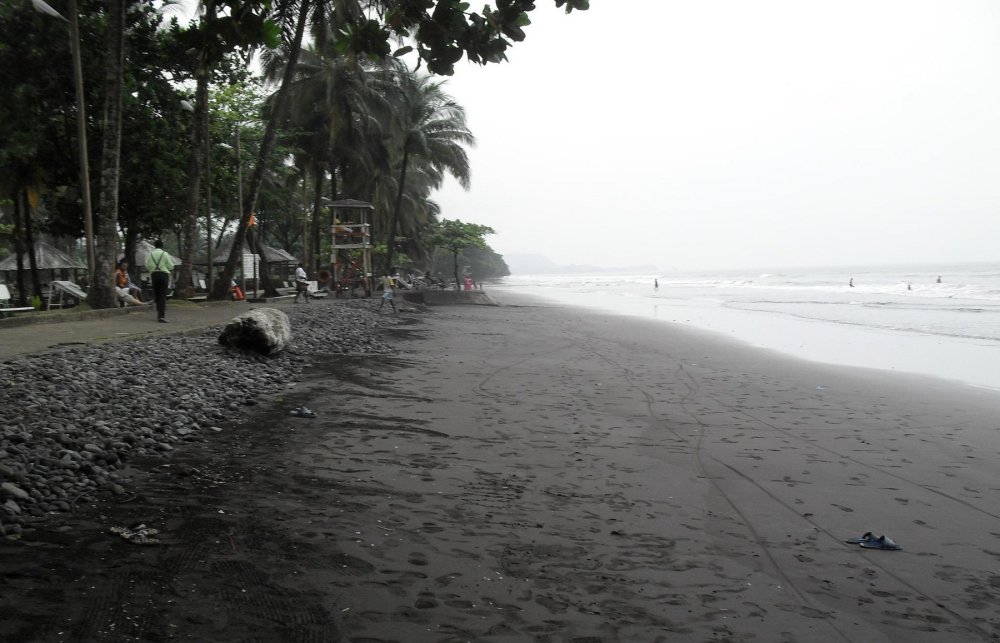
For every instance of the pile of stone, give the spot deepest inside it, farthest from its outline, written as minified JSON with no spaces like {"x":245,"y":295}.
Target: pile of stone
{"x":75,"y":416}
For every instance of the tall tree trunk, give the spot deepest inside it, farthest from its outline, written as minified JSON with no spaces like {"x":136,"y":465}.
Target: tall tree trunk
{"x":102,"y":287}
{"x":221,"y":288}
{"x":22,"y":294}
{"x":317,"y":208}
{"x":208,"y":202}
{"x":331,"y":261}
{"x":305,"y":217}
{"x":29,"y":234}
{"x":189,"y":239}
{"x":391,"y":241}
{"x":129,"y":254}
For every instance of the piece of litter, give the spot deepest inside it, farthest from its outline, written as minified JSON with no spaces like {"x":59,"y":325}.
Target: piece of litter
{"x":139,"y":536}
{"x":303,"y":412}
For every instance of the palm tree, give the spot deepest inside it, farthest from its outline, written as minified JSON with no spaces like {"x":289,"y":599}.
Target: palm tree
{"x":102,"y":293}
{"x":220,"y":290}
{"x":336,"y":113}
{"x":430,"y":132}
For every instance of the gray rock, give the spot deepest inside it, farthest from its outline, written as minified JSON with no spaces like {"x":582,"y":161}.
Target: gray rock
{"x":263,"y":330}
{"x":43,"y":453}
{"x":12,"y":490}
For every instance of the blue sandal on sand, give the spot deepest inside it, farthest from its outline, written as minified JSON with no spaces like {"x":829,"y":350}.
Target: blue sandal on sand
{"x":882,"y":542}
{"x":867,"y":537}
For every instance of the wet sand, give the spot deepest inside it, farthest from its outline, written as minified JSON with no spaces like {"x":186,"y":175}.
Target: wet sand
{"x":529,"y":472}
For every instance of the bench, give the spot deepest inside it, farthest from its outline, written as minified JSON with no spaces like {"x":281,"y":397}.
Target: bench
{"x":63,"y":289}
{"x":6,"y":308}
{"x":313,"y":291}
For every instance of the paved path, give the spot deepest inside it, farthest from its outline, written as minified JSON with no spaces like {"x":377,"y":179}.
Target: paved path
{"x":31,"y":333}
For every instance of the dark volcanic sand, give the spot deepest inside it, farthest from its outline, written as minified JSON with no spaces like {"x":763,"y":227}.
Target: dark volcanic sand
{"x":525,"y":473}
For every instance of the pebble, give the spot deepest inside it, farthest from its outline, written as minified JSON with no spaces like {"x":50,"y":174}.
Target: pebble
{"x":84,"y":411}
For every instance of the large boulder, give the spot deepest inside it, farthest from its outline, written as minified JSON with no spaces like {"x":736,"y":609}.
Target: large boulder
{"x":264,"y":330}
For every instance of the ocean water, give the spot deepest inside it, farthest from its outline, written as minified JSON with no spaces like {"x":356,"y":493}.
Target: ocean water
{"x":894,"y":317}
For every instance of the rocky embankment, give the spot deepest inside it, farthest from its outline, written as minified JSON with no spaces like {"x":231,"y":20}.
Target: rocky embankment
{"x":73,"y":417}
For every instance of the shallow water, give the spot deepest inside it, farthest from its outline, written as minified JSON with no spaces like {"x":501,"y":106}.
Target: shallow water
{"x":893,"y":318}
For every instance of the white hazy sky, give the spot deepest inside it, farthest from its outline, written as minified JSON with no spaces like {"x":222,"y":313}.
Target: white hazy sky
{"x":737,"y":133}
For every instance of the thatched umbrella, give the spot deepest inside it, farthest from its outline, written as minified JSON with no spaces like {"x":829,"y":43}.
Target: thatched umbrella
{"x":271,"y":256}
{"x":47,"y":258}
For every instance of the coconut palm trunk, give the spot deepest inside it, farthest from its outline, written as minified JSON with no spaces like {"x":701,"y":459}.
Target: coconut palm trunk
{"x":29,"y":236}
{"x":221,"y":288}
{"x":189,"y":234}
{"x":319,"y":174}
{"x":102,"y":288}
{"x":391,"y":241}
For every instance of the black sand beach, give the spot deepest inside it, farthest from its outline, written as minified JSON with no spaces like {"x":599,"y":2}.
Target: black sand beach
{"x":534,"y":473}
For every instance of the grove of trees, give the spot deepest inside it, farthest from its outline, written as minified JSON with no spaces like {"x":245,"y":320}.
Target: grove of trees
{"x":191,"y":141}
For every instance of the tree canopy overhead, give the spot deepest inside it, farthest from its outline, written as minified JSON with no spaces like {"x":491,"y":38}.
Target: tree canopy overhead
{"x":445,"y":30}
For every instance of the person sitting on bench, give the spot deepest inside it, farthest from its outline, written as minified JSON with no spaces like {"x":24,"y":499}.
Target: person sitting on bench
{"x":124,"y":280}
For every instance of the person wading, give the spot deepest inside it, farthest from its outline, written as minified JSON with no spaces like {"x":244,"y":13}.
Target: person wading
{"x":160,"y":267}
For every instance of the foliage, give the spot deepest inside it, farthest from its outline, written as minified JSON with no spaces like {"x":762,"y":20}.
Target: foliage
{"x":360,"y":124}
{"x":455,"y":236}
{"x":444,"y":30}
{"x":481,"y":263}
{"x":429,"y":138}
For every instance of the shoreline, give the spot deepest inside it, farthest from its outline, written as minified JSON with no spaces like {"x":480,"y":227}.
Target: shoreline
{"x":544,"y":473}
{"x":965,"y":360}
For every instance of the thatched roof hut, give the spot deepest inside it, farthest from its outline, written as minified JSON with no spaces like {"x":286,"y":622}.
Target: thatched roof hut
{"x":47,"y":257}
{"x":142,"y":250}
{"x":271,"y":255}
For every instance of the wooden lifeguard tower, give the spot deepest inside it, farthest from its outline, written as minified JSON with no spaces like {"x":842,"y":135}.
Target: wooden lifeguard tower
{"x":351,"y":231}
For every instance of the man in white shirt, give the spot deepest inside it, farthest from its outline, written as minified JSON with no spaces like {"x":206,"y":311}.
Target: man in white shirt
{"x":301,"y":284}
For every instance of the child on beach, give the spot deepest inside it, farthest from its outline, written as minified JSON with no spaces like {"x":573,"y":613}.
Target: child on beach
{"x":389,"y":292}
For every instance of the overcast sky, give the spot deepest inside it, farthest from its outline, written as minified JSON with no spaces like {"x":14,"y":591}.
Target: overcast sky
{"x":727,"y":134}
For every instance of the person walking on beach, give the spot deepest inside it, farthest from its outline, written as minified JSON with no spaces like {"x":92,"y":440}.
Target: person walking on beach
{"x":160,"y":267}
{"x":851,"y":282}
{"x":656,"y":284}
{"x":388,"y":292}
{"x":301,"y":284}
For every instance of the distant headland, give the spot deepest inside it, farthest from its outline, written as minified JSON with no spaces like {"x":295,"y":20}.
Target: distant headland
{"x":527,"y":264}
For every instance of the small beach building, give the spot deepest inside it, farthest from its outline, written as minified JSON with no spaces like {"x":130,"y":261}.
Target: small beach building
{"x":53,"y":265}
{"x":281,"y":263}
